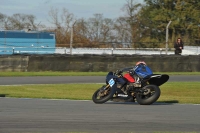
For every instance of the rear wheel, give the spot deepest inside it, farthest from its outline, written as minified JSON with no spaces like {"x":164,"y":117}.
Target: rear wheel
{"x":148,"y":95}
{"x":103,"y":95}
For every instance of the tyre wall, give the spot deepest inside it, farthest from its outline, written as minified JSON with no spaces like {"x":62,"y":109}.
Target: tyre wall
{"x":14,"y":63}
{"x":96,"y":63}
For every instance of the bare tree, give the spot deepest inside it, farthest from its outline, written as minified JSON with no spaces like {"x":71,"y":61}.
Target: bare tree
{"x":54,"y":18}
{"x":131,"y":9}
{"x":67,"y":18}
{"x":94,"y":27}
{"x":81,"y":36}
{"x":63,"y":21}
{"x":20,"y":21}
{"x":99,"y":30}
{"x":123,"y":33}
{"x":3,"y":19}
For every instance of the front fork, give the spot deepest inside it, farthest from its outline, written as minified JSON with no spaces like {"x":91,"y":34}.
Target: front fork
{"x":106,"y":87}
{"x":104,"y":90}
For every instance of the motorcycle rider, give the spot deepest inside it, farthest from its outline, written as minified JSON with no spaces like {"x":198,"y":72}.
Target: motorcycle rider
{"x":132,"y":71}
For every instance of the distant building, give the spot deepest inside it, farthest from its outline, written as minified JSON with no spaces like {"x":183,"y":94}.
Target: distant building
{"x":27,"y":42}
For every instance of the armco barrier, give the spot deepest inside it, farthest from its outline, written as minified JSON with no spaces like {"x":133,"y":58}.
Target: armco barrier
{"x":95,"y":63}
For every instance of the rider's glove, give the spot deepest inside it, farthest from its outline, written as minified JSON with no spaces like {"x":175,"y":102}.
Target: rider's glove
{"x":132,"y":72}
{"x":119,"y":72}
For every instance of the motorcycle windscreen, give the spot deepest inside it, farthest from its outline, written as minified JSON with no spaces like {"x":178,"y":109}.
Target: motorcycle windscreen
{"x":158,"y":79}
{"x":109,"y":76}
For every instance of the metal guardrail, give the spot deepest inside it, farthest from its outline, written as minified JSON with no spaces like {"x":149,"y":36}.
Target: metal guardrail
{"x":128,"y":51}
{"x":27,"y":50}
{"x":188,"y":50}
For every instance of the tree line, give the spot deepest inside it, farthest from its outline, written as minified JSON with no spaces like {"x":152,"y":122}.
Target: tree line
{"x":142,"y":26}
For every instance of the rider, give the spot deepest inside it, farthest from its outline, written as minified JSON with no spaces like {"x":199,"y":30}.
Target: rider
{"x":133,"y":70}
{"x":133,"y":73}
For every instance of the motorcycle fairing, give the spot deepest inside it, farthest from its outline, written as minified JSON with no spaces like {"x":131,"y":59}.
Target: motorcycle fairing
{"x":111,"y":75}
{"x":158,"y":79}
{"x":129,"y":78}
{"x":110,"y":79}
{"x":111,"y":82}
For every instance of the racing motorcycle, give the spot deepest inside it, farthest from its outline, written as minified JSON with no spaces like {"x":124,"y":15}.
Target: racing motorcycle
{"x":138,"y":84}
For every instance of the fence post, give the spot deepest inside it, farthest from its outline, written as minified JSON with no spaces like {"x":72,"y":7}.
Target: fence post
{"x":71,"y":37}
{"x":160,"y":51}
{"x":13,"y":51}
{"x":65,"y":50}
{"x":112,"y":51}
{"x":166,"y":49}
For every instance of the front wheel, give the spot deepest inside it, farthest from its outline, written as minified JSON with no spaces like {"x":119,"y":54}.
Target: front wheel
{"x":148,"y":95}
{"x":103,"y":94}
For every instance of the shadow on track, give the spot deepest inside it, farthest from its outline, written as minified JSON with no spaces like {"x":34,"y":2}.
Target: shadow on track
{"x":135,"y":103}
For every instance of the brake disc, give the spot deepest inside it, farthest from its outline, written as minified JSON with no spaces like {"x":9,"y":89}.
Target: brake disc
{"x":147,"y":91}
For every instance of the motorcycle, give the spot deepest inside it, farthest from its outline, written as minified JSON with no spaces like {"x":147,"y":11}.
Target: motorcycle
{"x":138,"y":84}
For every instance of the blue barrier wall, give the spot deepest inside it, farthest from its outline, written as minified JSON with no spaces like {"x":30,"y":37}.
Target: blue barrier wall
{"x":30,"y":42}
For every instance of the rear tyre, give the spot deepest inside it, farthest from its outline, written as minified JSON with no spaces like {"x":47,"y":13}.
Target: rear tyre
{"x":149,"y":95}
{"x":101,"y":96}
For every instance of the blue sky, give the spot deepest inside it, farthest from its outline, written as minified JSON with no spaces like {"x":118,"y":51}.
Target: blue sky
{"x":80,"y":8}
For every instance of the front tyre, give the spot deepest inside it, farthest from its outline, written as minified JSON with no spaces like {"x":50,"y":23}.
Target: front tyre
{"x":148,"y":95}
{"x":103,"y":95}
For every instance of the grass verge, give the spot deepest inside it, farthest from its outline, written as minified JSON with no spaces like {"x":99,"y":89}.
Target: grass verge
{"x":172,"y":92}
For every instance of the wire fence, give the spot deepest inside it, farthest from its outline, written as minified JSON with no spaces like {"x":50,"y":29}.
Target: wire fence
{"x":36,"y":45}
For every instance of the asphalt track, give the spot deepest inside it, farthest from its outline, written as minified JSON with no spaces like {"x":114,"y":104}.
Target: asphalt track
{"x":78,"y":79}
{"x":64,"y":116}
{"x":59,"y":116}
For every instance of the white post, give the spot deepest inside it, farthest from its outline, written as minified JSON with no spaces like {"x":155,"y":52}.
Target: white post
{"x":71,"y":38}
{"x":65,"y":50}
{"x":166,"y":47}
{"x":13,"y":50}
{"x":112,"y":51}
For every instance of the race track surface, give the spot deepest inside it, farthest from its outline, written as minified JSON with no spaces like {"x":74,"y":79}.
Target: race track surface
{"x":68,"y":116}
{"x":77,"y":79}
{"x":63,"y":116}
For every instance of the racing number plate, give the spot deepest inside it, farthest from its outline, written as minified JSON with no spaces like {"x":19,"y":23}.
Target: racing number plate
{"x":111,"y":82}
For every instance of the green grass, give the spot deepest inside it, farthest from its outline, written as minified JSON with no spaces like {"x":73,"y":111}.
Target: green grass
{"x":50,"y":73}
{"x":51,"y":91}
{"x":180,"y":92}
{"x":171,"y":92}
